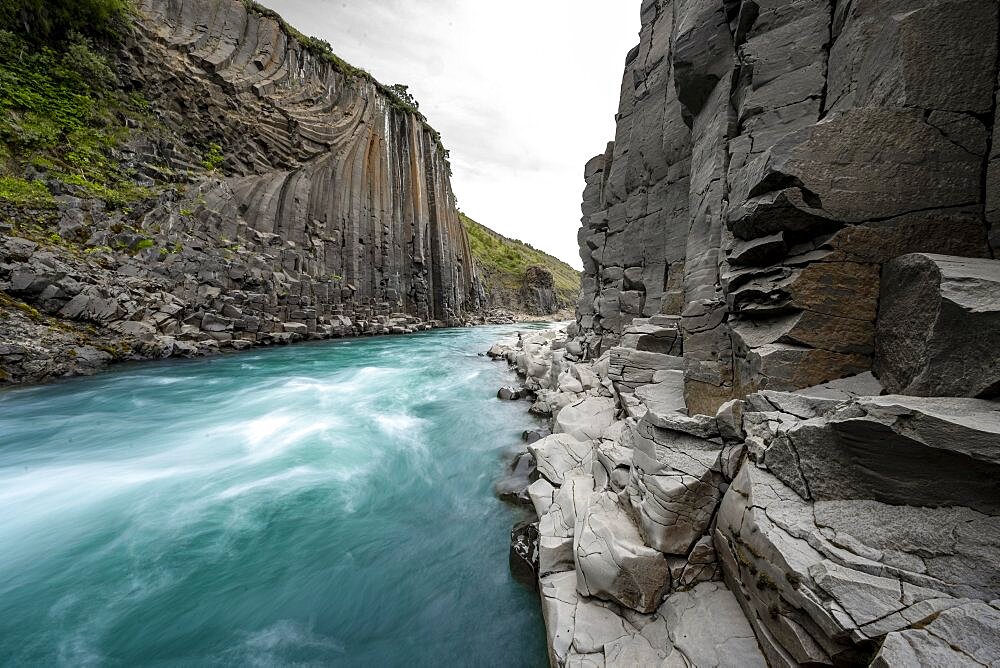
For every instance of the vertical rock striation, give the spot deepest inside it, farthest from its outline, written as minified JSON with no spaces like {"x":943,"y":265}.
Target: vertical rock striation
{"x":752,"y":190}
{"x":292,"y":196}
{"x":784,"y":371}
{"x":351,"y":184}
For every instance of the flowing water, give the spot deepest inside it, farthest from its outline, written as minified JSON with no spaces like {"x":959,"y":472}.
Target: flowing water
{"x":324,"y":504}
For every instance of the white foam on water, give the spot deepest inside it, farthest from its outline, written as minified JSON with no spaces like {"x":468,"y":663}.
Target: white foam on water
{"x":270,"y":481}
{"x":267,"y":646}
{"x":399,"y":425}
{"x":167,"y":380}
{"x":264,"y":428}
{"x":78,"y":651}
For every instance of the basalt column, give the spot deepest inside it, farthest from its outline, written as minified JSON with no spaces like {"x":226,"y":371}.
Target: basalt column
{"x":770,"y":158}
{"x":348,"y":188}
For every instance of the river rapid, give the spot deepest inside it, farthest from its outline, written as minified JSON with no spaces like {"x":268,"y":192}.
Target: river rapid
{"x":322,"y":504}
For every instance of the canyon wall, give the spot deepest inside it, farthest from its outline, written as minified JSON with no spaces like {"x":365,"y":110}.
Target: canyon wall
{"x":322,"y":160}
{"x":776,"y":433}
{"x":291,"y":196}
{"x":770,"y":157}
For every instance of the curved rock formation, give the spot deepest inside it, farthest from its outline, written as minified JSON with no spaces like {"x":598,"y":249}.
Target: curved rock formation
{"x":294,"y":197}
{"x":322,"y":159}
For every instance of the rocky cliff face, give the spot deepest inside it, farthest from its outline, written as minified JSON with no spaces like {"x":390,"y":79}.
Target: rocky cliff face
{"x":771,"y":157}
{"x":776,"y":428}
{"x":326,"y":210}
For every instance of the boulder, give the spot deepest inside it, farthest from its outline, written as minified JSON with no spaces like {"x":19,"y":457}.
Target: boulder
{"x":674,"y":486}
{"x":612,"y":562}
{"x":509,"y":394}
{"x":557,"y":526}
{"x":938,"y":331}
{"x":524,"y":554}
{"x":558,"y":454}
{"x":586,"y":419}
{"x":519,"y":476}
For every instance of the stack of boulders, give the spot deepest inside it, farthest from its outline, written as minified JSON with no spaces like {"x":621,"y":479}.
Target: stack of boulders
{"x":832,"y":525}
{"x":791,"y":301}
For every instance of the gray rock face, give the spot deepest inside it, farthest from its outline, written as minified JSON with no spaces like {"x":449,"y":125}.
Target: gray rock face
{"x":674,"y":488}
{"x":807,"y":396}
{"x":742,"y":192}
{"x":862,"y":520}
{"x":939,"y":326}
{"x":894,"y":449}
{"x":332,"y":215}
{"x":612,"y":562}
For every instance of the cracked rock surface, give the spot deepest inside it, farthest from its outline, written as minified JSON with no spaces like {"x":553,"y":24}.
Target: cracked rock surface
{"x":790,"y":307}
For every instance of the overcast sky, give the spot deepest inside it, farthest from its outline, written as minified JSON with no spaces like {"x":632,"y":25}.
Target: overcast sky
{"x":524,"y":92}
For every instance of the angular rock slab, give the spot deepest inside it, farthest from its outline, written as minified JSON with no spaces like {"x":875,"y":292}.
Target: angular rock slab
{"x":557,"y":527}
{"x":966,"y":635}
{"x":708,"y":626}
{"x":938,"y":330}
{"x":558,"y":454}
{"x":897,"y":450}
{"x":586,"y":419}
{"x":819,"y":580}
{"x":612,"y":562}
{"x":674,"y":486}
{"x":559,"y":600}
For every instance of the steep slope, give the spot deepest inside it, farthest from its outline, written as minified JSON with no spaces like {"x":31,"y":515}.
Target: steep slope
{"x":516,"y":276}
{"x":268,"y":192}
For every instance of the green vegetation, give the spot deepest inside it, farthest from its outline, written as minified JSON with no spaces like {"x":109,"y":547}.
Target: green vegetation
{"x":214,"y":158}
{"x":62,"y":113}
{"x":25,"y":193}
{"x":508,"y":260}
{"x":9,"y":302}
{"x":50,"y":21}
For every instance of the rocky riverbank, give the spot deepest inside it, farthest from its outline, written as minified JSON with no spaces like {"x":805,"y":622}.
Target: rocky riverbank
{"x":833,"y":525}
{"x":250,"y":188}
{"x":780,"y":394}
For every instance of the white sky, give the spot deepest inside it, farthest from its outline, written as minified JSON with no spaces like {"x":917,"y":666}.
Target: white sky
{"x":524,"y":92}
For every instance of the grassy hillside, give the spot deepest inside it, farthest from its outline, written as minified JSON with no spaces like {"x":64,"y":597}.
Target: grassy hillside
{"x":503,"y":263}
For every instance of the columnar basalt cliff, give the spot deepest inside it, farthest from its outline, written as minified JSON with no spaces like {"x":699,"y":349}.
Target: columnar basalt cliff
{"x":776,"y":428}
{"x":324,"y":207}
{"x":770,"y":158}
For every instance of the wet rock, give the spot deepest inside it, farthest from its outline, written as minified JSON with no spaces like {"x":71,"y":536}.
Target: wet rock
{"x":521,"y":474}
{"x":524,"y":554}
{"x":509,"y":394}
{"x":532,"y":435}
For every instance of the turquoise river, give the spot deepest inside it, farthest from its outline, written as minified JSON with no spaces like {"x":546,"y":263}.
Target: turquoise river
{"x":325,"y":504}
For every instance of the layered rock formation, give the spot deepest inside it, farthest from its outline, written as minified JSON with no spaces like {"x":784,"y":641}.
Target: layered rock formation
{"x":781,"y":386}
{"x":770,"y":159}
{"x":326,"y":211}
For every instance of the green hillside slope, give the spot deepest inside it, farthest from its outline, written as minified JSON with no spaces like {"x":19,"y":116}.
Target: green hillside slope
{"x":504,"y":267}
